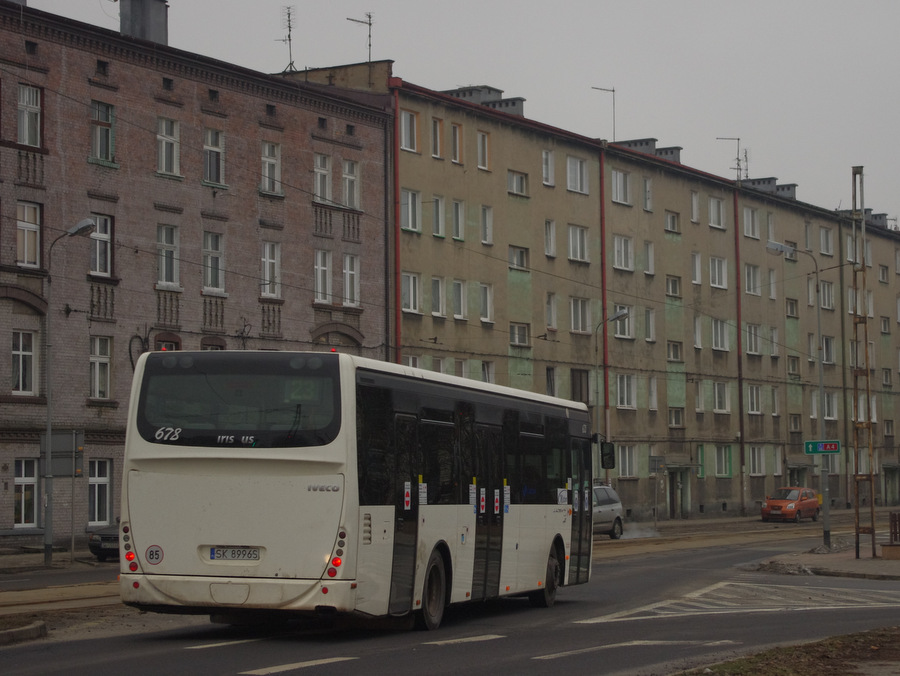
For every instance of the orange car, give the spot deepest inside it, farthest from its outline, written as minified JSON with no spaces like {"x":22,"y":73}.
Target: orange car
{"x":791,"y":503}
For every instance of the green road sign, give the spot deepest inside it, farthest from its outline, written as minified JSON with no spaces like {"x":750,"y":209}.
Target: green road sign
{"x":816,"y":447}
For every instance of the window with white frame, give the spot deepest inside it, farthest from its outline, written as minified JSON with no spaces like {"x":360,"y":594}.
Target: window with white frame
{"x":437,"y":216}
{"x":102,"y":131}
{"x":270,"y":174}
{"x":676,"y":416}
{"x":576,"y":174}
{"x":99,"y":493}
{"x":578,"y":243}
{"x":518,"y":334}
{"x":790,"y":307}
{"x":410,"y":360}
{"x":621,"y":187}
{"x":716,"y":212}
{"x":168,"y":160}
{"x":25,"y":493}
{"x":487,"y":224}
{"x":757,"y":461}
{"x":167,"y":255}
{"x":648,"y":194}
{"x":322,"y":276}
{"x":698,"y":331}
{"x":580,"y":311}
{"x":484,"y":149}
{"x":770,"y":227}
{"x":270,"y":286}
{"x":720,"y":335}
{"x":753,"y":339}
{"x":672,"y":224}
{"x":827,"y":349}
{"x":776,"y":408}
{"x":321,"y":178}
{"x":518,"y":257}
{"x":754,"y":399}
{"x":649,"y":258}
{"x":723,"y":460}
{"x":696,"y":268}
{"x":213,"y":261}
{"x":624,"y":327}
{"x":625,"y":390}
{"x":409,"y":292}
{"x":773,"y":289}
{"x":551,"y":310}
{"x":517,"y":182}
{"x":699,"y":403}
{"x":101,"y":351}
{"x":486,"y":302}
{"x":623,"y":252}
{"x":627,"y":464}
{"x":826,"y":239}
{"x":28,"y":234}
{"x":673,"y":286}
{"x":886,"y":376}
{"x":718,"y":272}
{"x":410,"y":210}
{"x":652,"y":395}
{"x":547,"y":168}
{"x":458,"y":218}
{"x":885,"y":324}
{"x":23,"y":364}
{"x":438,"y":305}
{"x":674,"y":350}
{"x":456,"y":132}
{"x":774,"y":341}
{"x":552,"y":382}
{"x":29,"y":116}
{"x":458,"y":298}
{"x":214,"y":156}
{"x":752,"y":280}
{"x":550,"y":238}
{"x":437,"y":130}
{"x":751,"y":222}
{"x":488,"y":374}
{"x":826,"y":292}
{"x":721,"y":398}
{"x":350,"y":184}
{"x":650,"y":325}
{"x":695,"y":206}
{"x":101,"y":245}
{"x":408,"y":130}
{"x":351,"y":280}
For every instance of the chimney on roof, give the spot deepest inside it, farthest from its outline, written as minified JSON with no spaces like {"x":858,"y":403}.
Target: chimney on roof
{"x":145,"y":20}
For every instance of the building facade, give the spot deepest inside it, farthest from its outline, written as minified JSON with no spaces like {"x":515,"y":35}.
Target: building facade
{"x":229,"y":210}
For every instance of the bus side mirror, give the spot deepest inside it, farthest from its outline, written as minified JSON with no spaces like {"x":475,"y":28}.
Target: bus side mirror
{"x":607,"y":455}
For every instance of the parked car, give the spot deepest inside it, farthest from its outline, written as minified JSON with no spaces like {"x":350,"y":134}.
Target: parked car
{"x":607,"y":512}
{"x":104,"y":542}
{"x":791,"y":503}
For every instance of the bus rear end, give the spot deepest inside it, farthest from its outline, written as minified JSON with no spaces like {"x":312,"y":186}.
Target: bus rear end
{"x":235,"y":485}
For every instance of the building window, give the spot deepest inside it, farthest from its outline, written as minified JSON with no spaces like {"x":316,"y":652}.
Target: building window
{"x":772,"y":287}
{"x":214,"y":156}
{"x":437,"y":297}
{"x":627,"y":465}
{"x":101,"y":245}
{"x":650,"y":325}
{"x":888,"y":428}
{"x":827,"y":295}
{"x":408,"y":131}
{"x":827,"y":349}
{"x":751,"y":223}
{"x":100,"y":364}
{"x":458,"y":299}
{"x":721,"y":399}
{"x":321,"y":178}
{"x":754,"y":399}
{"x":487,"y":372}
{"x":793,"y":365}
{"x":271,"y":270}
{"x":676,"y":416}
{"x":547,"y":169}
{"x":168,"y":159}
{"x":351,"y":280}
{"x":624,"y":327}
{"x":720,"y":335}
{"x":752,"y":283}
{"x":167,"y":252}
{"x":29,"y":116}
{"x":695,"y":206}
{"x":576,"y":173}
{"x":886,"y":377}
{"x":410,"y":210}
{"x":437,"y":216}
{"x":625,"y":391}
{"x":716,"y":212}
{"x":673,"y":286}
{"x":213,"y":261}
{"x":23,"y":363}
{"x":487,"y":224}
{"x":790,"y":307}
{"x":458,"y":214}
{"x":350,"y":184}
{"x":551,"y":310}
{"x":322,"y":277}
{"x":518,"y":334}
{"x":437,"y":129}
{"x":517,"y":182}
{"x":753,"y":339}
{"x":102,"y":131}
{"x":270,"y":180}
{"x":578,"y":243}
{"x":885,"y":324}
{"x":757,"y":461}
{"x":28,"y":234}
{"x":580,"y":315}
{"x":409,"y":292}
{"x":623,"y":253}
{"x":486,"y":302}
{"x":718,"y":272}
{"x":648,"y":194}
{"x":99,"y":492}
{"x":552,"y":389}
{"x":652,"y":395}
{"x":518,"y":257}
{"x":621,"y":187}
{"x":826,"y":236}
{"x":698,"y":332}
{"x":456,"y":143}
{"x":550,"y":238}
{"x":674,"y":351}
{"x":25,"y":509}
{"x":580,"y":382}
{"x":649,"y":259}
{"x":672,"y":224}
{"x":484,"y":147}
{"x":723,"y":460}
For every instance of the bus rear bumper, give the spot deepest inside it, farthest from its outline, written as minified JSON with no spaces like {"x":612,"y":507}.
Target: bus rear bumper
{"x":202,"y":595}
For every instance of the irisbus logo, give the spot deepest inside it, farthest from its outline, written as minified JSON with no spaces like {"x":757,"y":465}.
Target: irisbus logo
{"x":323,"y":488}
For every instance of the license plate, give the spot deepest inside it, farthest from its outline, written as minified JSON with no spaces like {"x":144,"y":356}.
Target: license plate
{"x":234,"y":553}
{"x":109,"y":545}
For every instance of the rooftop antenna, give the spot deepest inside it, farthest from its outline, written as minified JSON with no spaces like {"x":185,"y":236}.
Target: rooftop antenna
{"x":286,"y":12}
{"x":367,"y":22}
{"x":737,"y":168}
{"x":611,"y":90}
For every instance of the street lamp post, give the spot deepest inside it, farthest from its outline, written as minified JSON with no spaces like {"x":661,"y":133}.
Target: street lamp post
{"x":79,"y":228}
{"x":788,"y":250}
{"x":619,"y":314}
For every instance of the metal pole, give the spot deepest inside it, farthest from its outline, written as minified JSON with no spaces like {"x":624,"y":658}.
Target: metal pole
{"x":823,"y":472}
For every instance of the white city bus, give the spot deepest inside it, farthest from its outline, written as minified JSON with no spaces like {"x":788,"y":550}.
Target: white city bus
{"x":306,"y":482}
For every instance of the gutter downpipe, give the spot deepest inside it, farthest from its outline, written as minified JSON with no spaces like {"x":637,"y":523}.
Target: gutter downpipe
{"x":395,"y":84}
{"x":740,"y":347}
{"x":603,"y":290}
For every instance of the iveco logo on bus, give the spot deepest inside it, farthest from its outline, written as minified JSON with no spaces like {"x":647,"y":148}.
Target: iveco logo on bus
{"x":322,"y":488}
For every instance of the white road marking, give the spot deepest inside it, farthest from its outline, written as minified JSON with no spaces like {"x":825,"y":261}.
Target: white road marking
{"x":297,"y":665}
{"x":628,"y":644}
{"x":468,"y":639}
{"x":222,"y":644}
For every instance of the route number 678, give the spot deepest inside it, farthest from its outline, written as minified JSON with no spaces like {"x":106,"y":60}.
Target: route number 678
{"x":168,"y":434}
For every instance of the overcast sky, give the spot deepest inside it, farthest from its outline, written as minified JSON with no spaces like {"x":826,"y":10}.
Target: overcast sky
{"x":811,"y":87}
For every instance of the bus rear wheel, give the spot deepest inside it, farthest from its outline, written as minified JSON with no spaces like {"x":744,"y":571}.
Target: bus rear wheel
{"x":434,"y":593}
{"x":546,"y":597}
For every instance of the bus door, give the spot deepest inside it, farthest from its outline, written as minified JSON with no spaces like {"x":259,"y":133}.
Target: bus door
{"x":406,"y":514}
{"x":582,"y":537}
{"x":490,"y":505}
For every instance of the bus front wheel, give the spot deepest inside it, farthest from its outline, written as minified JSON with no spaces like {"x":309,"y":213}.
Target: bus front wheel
{"x":546,"y":597}
{"x":434,"y":593}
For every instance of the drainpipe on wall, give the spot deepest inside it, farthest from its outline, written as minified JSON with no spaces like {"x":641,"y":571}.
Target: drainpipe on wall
{"x":603,"y":299}
{"x":740,"y":350}
{"x":395,"y":84}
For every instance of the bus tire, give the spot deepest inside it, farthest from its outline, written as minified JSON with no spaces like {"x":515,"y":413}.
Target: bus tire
{"x":434,"y":593}
{"x":546,"y":596}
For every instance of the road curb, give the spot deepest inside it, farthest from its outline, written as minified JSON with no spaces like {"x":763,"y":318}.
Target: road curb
{"x":26,"y":633}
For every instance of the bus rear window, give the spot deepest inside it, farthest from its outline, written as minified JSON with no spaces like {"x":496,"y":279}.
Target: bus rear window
{"x":240,"y":399}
